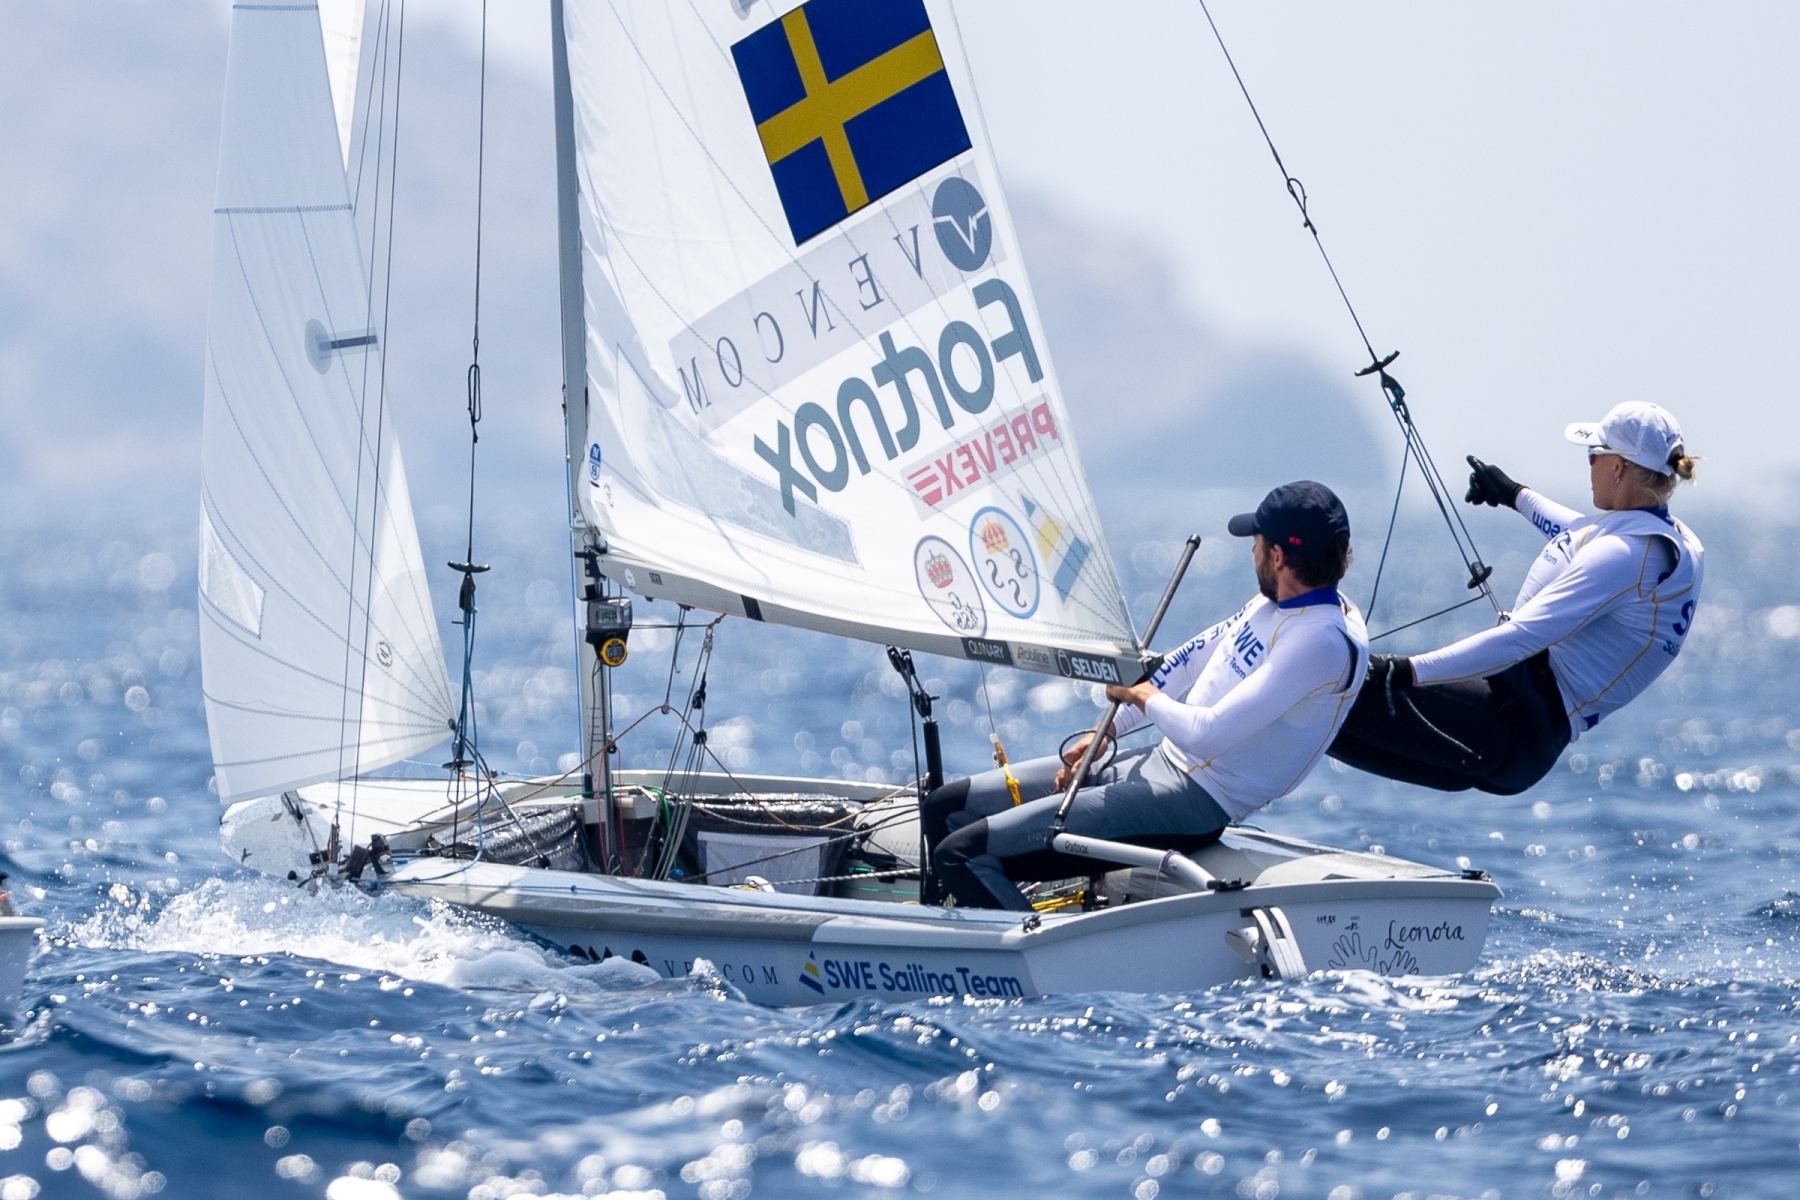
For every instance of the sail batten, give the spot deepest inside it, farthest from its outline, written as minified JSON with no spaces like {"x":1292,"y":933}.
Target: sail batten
{"x":819,"y":388}
{"x":320,"y":656}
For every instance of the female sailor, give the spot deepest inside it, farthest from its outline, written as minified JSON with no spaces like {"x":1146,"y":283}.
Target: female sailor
{"x":1603,"y":611}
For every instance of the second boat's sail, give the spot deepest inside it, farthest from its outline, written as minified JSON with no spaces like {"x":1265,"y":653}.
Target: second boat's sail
{"x":319,"y":650}
{"x":819,"y":390}
{"x":341,"y":23}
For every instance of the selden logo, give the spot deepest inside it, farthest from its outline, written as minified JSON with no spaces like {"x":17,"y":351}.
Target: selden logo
{"x":1081,"y":666}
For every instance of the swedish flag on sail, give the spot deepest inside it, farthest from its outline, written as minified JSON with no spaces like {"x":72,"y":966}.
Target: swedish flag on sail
{"x":1058,"y":546}
{"x":851,"y":100}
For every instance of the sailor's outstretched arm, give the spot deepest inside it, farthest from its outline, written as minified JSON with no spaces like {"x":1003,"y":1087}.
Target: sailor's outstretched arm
{"x":1298,"y":665}
{"x":1604,"y":574}
{"x":1180,"y":668}
{"x":1489,"y":485}
{"x":1550,"y":517}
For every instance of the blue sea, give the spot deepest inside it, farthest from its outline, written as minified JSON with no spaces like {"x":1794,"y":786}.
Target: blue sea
{"x":198,"y":1031}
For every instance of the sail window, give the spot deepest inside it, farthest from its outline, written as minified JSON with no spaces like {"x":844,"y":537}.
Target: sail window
{"x":225,"y":583}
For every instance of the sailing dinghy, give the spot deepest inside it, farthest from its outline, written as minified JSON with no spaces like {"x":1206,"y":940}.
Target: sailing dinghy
{"x":805,"y":384}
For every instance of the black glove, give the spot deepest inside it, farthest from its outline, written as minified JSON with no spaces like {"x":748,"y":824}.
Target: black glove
{"x":1488,"y":484}
{"x":1390,"y":672}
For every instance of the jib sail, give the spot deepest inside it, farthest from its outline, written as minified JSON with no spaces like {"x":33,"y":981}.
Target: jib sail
{"x":320,"y":656}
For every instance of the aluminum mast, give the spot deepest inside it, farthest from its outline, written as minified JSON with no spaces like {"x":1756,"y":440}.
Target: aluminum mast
{"x":592,"y":679}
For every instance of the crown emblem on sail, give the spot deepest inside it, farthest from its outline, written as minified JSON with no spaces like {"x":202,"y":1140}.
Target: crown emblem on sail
{"x":939,"y":571}
{"x":993,"y":537}
{"x":851,"y":101}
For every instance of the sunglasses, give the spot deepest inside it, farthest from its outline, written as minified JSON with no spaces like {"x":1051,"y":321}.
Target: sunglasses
{"x":1596,"y":453}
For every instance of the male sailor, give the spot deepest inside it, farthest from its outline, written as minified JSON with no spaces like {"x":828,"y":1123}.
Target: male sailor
{"x":1603,"y":611}
{"x":1246,"y":710}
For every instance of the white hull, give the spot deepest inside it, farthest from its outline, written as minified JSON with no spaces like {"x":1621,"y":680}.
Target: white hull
{"x":19,"y":940}
{"x":1346,"y":911}
{"x":803,"y":950}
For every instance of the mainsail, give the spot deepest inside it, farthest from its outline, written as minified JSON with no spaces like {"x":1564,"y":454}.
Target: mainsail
{"x":819,"y":392}
{"x":319,"y":651}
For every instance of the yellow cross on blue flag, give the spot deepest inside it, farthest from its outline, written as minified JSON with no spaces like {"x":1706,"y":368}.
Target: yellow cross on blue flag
{"x":851,"y":101}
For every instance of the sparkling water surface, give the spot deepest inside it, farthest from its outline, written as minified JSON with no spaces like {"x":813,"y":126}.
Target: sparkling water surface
{"x":197,"y":1030}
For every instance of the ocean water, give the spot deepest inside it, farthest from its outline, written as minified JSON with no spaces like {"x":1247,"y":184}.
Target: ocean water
{"x":198,"y":1031}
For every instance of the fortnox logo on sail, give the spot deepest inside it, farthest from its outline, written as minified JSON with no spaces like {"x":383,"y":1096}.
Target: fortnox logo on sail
{"x":829,"y":300}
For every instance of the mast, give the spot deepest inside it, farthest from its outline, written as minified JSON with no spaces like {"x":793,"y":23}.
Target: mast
{"x":591,"y":676}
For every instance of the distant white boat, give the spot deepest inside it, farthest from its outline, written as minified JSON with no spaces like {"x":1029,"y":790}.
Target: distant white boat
{"x":805,"y":384}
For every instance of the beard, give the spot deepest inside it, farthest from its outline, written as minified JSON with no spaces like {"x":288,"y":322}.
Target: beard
{"x":1265,"y":574}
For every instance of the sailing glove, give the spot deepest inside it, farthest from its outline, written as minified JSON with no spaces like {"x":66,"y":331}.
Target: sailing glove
{"x":1490,"y":485}
{"x":1390,"y":672}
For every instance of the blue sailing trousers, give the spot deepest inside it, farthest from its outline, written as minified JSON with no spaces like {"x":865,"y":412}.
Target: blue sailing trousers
{"x":983,"y":842}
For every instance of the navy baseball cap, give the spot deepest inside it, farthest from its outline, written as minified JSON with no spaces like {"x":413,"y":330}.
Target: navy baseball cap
{"x":1303,"y":516}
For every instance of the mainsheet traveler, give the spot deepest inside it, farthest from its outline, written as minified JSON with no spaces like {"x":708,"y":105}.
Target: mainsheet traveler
{"x":1246,"y":708}
{"x":1603,"y":611}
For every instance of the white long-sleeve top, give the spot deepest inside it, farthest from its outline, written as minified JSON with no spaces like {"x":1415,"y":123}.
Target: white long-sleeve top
{"x":1611,"y":597}
{"x":1262,"y":693}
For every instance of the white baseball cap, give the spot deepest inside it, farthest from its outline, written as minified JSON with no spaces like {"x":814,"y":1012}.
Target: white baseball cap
{"x":1637,"y":431}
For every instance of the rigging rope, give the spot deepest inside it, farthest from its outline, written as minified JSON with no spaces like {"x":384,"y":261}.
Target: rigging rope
{"x":1394,"y":394}
{"x":1388,"y":541}
{"x":475,"y":337}
{"x":676,"y":830}
{"x":1428,"y":617}
{"x":467,"y":751}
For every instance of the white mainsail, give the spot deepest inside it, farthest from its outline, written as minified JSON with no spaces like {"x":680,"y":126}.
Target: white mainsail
{"x":319,"y":651}
{"x":819,"y":391}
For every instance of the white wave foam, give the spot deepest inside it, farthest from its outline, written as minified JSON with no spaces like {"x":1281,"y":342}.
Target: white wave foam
{"x":1576,"y":970}
{"x":1365,"y":991}
{"x":387,"y":934}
